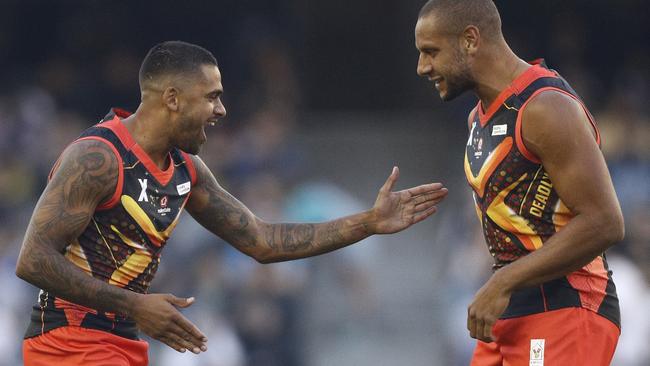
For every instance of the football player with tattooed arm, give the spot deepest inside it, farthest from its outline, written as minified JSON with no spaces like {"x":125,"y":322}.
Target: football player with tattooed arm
{"x":115,"y":195}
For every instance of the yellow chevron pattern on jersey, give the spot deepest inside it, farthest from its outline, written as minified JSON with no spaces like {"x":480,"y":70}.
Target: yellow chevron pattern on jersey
{"x":510,"y":221}
{"x":76,"y":255}
{"x":141,"y":217}
{"x":134,"y":266}
{"x":479,"y":181}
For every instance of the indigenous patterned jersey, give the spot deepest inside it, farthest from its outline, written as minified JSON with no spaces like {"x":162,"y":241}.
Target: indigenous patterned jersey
{"x":517,"y":205}
{"x":122,"y":243}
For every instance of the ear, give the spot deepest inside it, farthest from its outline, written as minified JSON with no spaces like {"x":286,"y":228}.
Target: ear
{"x":170,"y":98}
{"x":470,"y":39}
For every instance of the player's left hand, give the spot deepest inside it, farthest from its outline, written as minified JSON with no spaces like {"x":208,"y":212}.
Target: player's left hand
{"x":395,"y":211}
{"x":489,"y":303}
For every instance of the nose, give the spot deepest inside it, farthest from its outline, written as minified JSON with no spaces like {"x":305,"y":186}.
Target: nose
{"x":220,"y":109}
{"x":424,"y":67}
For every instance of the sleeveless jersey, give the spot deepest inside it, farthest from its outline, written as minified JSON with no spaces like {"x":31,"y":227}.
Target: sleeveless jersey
{"x":517,"y":205}
{"x":122,"y":243}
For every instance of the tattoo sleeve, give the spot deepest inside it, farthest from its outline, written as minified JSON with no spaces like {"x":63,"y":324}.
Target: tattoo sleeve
{"x":87,"y":174}
{"x":225,"y":216}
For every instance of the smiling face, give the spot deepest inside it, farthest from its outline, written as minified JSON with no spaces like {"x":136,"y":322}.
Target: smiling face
{"x":441,"y":59}
{"x":199,"y":105}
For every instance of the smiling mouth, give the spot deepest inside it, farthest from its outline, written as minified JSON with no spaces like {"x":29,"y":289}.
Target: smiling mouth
{"x":436,"y":81}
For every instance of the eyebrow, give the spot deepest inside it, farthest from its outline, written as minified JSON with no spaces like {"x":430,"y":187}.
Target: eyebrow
{"x":218,"y":92}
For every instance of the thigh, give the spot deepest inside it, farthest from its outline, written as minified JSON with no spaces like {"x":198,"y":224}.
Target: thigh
{"x":571,"y":336}
{"x":79,"y":346}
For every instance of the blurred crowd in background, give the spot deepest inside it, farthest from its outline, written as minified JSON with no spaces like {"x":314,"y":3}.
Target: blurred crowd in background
{"x":322,"y":101}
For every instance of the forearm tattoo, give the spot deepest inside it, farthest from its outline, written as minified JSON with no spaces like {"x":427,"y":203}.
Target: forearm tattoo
{"x":225,"y":216}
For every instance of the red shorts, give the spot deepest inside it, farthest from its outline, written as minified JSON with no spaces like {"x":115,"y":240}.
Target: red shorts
{"x":571,"y":336}
{"x":80,"y":346}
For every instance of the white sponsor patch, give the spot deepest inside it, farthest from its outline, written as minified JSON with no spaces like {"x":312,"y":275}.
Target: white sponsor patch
{"x":536,"y":352}
{"x":498,"y":130}
{"x":183,"y":188}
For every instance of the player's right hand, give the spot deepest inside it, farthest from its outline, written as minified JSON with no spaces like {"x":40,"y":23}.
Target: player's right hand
{"x":157,"y":316}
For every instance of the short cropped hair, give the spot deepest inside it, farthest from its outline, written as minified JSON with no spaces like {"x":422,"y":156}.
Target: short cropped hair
{"x":456,"y":15}
{"x":174,"y":58}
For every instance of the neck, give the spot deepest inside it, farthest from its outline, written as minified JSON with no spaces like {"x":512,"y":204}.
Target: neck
{"x":148,"y":132}
{"x":498,"y":69}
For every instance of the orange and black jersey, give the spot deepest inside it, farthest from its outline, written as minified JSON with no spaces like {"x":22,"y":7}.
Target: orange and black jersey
{"x":123,"y":241}
{"x":517,"y":205}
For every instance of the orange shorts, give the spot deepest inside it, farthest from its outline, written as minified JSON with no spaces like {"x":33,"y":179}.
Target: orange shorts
{"x":80,"y":346}
{"x":570,"y":336}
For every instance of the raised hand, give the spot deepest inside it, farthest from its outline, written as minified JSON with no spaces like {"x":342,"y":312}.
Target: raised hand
{"x":395,"y":211}
{"x":157,"y":316}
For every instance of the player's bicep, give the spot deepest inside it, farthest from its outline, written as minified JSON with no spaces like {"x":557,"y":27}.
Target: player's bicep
{"x":557,"y":130}
{"x":85,"y":175}
{"x":221,"y":213}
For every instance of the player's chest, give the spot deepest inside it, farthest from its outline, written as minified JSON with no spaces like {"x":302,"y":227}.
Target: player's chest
{"x":145,"y":196}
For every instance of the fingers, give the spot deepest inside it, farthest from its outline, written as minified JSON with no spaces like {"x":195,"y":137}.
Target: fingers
{"x":179,"y":301}
{"x":187,"y":340}
{"x":426,"y":213}
{"x":172,"y":343}
{"x":487,"y":330}
{"x":180,"y":339}
{"x":192,"y":331}
{"x":193,"y":338}
{"x":421,"y":202}
{"x":390,"y":182}
{"x":425,"y":188}
{"x":479,"y":327}
{"x":179,"y":343}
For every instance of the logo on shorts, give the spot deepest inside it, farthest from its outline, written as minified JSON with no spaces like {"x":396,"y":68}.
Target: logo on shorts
{"x":536,"y":352}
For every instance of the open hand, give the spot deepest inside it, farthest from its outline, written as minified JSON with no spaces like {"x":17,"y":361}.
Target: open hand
{"x":157,"y":316}
{"x":395,"y":211}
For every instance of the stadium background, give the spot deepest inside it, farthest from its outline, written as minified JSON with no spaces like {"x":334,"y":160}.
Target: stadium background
{"x":323,"y":99}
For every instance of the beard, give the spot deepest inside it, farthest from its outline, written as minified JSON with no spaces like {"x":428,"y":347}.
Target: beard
{"x":190,"y":139}
{"x":456,"y":86}
{"x":459,"y":79}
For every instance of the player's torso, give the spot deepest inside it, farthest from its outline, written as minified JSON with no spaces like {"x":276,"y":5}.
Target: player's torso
{"x":514,"y":197}
{"x":123,"y":241}
{"x":516,"y":203}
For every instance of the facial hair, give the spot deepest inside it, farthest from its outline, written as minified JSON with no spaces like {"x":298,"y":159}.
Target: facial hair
{"x":459,"y":79}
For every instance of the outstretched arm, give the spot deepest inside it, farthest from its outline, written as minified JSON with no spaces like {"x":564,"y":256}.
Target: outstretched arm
{"x":87,"y":175}
{"x":225,"y":216}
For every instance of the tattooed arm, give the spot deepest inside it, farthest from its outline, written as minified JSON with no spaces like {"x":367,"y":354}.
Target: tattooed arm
{"x":87,"y":175}
{"x":228,"y":218}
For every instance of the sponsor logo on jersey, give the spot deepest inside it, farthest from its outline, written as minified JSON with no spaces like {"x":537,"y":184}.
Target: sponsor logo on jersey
{"x":498,"y":130}
{"x":163,"y":206}
{"x":183,"y":188}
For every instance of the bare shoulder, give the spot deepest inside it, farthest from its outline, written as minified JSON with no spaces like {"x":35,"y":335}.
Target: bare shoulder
{"x":87,"y":171}
{"x":555,"y":120}
{"x":203,"y":173}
